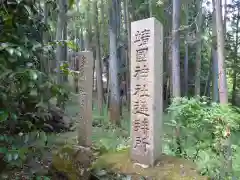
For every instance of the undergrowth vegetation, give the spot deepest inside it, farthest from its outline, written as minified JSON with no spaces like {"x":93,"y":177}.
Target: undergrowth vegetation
{"x":196,"y":129}
{"x":206,"y":133}
{"x":25,"y":91}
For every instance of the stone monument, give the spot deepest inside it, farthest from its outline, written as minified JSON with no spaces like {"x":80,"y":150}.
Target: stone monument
{"x":85,"y":83}
{"x":146,"y":90}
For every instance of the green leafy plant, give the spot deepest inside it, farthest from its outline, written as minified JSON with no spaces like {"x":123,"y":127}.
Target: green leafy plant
{"x":25,"y":91}
{"x":204,"y":128}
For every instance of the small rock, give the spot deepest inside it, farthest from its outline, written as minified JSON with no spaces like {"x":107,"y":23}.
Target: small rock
{"x":141,"y":165}
{"x":73,"y":162}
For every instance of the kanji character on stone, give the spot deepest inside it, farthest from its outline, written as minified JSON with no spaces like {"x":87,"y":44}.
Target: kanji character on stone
{"x":141,"y":54}
{"x":141,"y":71}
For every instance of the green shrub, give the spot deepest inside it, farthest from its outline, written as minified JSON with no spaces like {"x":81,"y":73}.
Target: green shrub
{"x":25,"y":91}
{"x":204,"y":131}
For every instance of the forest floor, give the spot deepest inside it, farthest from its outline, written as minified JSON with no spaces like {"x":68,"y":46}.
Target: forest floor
{"x":107,"y":140}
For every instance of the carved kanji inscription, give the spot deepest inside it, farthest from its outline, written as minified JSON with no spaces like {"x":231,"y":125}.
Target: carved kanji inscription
{"x":146,"y":90}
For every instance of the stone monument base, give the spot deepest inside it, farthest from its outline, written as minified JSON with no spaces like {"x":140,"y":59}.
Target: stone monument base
{"x":168,"y":168}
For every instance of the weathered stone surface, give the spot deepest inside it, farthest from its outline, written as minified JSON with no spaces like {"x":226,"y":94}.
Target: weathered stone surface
{"x":85,"y":84}
{"x":146,"y":90}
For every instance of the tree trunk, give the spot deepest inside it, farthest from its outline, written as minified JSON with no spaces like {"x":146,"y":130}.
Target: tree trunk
{"x":118,"y":20}
{"x":102,"y":52}
{"x":128,"y":61}
{"x":176,"y":61}
{"x":150,"y":8}
{"x":225,"y":19}
{"x":88,"y":25}
{"x":113,"y":67}
{"x":59,"y":39}
{"x":186,"y":53}
{"x":234,"y":86}
{"x":98,"y":63}
{"x":169,"y":92}
{"x":119,"y":58}
{"x":76,"y":63}
{"x":223,"y":93}
{"x":199,"y":47}
{"x":65,"y":48}
{"x":175,"y":48}
{"x":207,"y":85}
{"x":46,"y":38}
{"x":215,"y":94}
{"x":235,"y":62}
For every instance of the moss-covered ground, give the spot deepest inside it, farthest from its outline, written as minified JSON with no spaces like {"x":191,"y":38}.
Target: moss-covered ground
{"x":167,"y":168}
